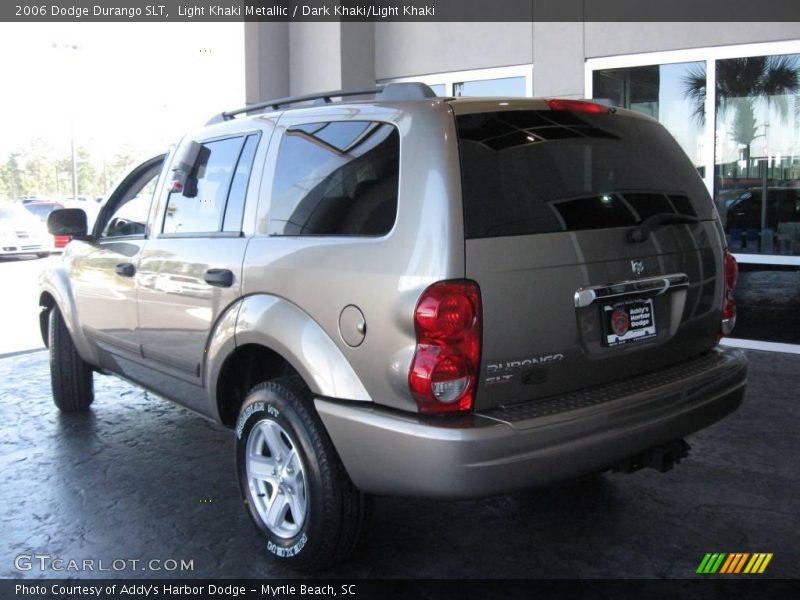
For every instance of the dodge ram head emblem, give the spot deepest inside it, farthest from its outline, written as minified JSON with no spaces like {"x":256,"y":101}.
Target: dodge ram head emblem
{"x":637,"y":266}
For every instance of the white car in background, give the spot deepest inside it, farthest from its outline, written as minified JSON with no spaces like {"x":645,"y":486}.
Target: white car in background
{"x":22,"y":233}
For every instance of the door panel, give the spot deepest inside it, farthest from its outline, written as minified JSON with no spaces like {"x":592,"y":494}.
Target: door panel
{"x":177,"y":306}
{"x":103,"y":270}
{"x":106,"y":301}
{"x":191,"y":271}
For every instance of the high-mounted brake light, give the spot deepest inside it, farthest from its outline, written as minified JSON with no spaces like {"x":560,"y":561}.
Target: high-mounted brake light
{"x":577,"y":106}
{"x":444,"y":372}
{"x":731,"y":274}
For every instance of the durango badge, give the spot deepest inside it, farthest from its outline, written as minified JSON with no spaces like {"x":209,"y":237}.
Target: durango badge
{"x":637,"y":266}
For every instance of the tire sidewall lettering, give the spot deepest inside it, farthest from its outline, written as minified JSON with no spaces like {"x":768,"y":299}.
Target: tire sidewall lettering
{"x":256,"y":407}
{"x":287,"y":551}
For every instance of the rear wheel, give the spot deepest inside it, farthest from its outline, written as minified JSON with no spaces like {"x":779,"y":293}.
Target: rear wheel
{"x":42,"y":254}
{"x":71,"y":377}
{"x":291,"y":479}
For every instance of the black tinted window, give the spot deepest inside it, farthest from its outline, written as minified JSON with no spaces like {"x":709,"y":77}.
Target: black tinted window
{"x":527,"y":172}
{"x":336,"y":179}
{"x":199,"y":208}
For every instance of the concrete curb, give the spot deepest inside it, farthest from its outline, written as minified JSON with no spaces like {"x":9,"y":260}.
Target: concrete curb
{"x":21,"y":352}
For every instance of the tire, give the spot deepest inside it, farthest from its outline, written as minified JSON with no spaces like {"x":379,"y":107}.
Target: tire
{"x":71,"y":377}
{"x":42,"y":254}
{"x":278,"y":423}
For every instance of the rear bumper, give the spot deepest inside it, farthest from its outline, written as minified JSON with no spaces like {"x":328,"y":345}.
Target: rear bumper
{"x":393,"y":453}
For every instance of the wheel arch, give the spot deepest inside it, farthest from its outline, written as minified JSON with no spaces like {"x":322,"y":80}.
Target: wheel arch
{"x":55,"y":291}
{"x":263,"y":337}
{"x":46,"y":303}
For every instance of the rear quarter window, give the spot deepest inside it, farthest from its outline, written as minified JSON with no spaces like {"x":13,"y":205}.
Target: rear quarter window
{"x":336,"y":178}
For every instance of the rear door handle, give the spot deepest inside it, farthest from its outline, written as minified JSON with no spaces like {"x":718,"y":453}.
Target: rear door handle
{"x":219,"y":277}
{"x":644,"y":288}
{"x":125,"y":270}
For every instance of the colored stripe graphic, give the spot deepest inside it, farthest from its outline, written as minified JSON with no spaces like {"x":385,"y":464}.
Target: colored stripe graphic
{"x":711,"y":562}
{"x":703,"y":563}
{"x":733,"y":563}
{"x":758,"y":563}
{"x":727,"y":564}
{"x":741,"y":562}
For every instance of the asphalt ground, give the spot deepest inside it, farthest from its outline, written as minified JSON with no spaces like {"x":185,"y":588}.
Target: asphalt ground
{"x":138,"y":478}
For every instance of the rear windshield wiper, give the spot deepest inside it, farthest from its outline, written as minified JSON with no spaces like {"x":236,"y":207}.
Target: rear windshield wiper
{"x":642,"y":231}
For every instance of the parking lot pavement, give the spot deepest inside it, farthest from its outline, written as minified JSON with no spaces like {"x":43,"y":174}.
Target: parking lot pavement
{"x":140,"y":478}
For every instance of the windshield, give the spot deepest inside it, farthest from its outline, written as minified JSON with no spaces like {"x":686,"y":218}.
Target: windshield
{"x":526,"y":172}
{"x":12,"y":211}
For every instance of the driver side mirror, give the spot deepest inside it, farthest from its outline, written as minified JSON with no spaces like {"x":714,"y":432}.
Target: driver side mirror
{"x":184,"y":171}
{"x":68,"y":221}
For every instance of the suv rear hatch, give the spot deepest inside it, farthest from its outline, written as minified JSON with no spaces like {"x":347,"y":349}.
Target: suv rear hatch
{"x":570,"y":301}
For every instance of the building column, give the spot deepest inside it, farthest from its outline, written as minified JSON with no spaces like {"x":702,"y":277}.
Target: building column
{"x":283,"y":59}
{"x":266,"y":60}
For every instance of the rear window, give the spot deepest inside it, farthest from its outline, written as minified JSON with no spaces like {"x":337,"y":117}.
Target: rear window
{"x":526,"y":172}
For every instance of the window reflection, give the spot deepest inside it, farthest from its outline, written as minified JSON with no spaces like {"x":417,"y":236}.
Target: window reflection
{"x":757,"y":161}
{"x":659,"y":91}
{"x":503,"y":86}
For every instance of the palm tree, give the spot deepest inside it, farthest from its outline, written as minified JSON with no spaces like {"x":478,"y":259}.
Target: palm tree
{"x":773,"y":77}
{"x":740,"y":81}
{"x":744,"y":127}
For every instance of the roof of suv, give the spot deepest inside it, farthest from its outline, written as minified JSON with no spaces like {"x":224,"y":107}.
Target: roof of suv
{"x":410,"y":94}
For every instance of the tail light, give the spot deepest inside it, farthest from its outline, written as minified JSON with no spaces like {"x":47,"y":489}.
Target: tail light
{"x":577,"y":106}
{"x":731,"y":272}
{"x":444,"y":372}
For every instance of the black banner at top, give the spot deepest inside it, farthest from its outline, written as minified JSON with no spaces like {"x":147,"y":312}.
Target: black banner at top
{"x":400,"y":10}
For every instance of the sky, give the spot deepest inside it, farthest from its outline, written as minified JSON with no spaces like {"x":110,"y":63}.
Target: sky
{"x":134,"y":85}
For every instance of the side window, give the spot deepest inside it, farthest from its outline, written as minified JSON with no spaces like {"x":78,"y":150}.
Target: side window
{"x":234,"y":211}
{"x":336,"y":178}
{"x":220,"y":177}
{"x":129,"y":216}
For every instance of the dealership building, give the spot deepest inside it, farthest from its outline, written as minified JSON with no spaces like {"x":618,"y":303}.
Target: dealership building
{"x":728,"y":92}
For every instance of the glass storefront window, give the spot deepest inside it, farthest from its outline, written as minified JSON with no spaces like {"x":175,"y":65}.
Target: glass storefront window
{"x":659,"y":91}
{"x":504,"y":86}
{"x":757,"y":153}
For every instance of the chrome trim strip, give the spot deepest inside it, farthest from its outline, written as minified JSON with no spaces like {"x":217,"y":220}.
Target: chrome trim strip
{"x":652,"y":286}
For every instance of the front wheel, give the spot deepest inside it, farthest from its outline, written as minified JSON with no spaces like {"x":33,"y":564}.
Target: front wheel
{"x":291,"y":479}
{"x":71,"y":377}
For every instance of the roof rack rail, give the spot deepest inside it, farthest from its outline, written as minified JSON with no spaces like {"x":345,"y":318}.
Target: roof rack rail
{"x":390,"y":91}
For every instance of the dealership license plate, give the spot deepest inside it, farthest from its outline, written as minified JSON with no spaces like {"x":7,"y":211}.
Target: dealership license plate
{"x":628,"y":321}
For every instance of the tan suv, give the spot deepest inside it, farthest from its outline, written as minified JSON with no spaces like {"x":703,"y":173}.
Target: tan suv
{"x":391,"y":293}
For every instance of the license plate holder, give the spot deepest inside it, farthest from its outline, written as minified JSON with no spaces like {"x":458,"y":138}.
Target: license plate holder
{"x":628,"y":321}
